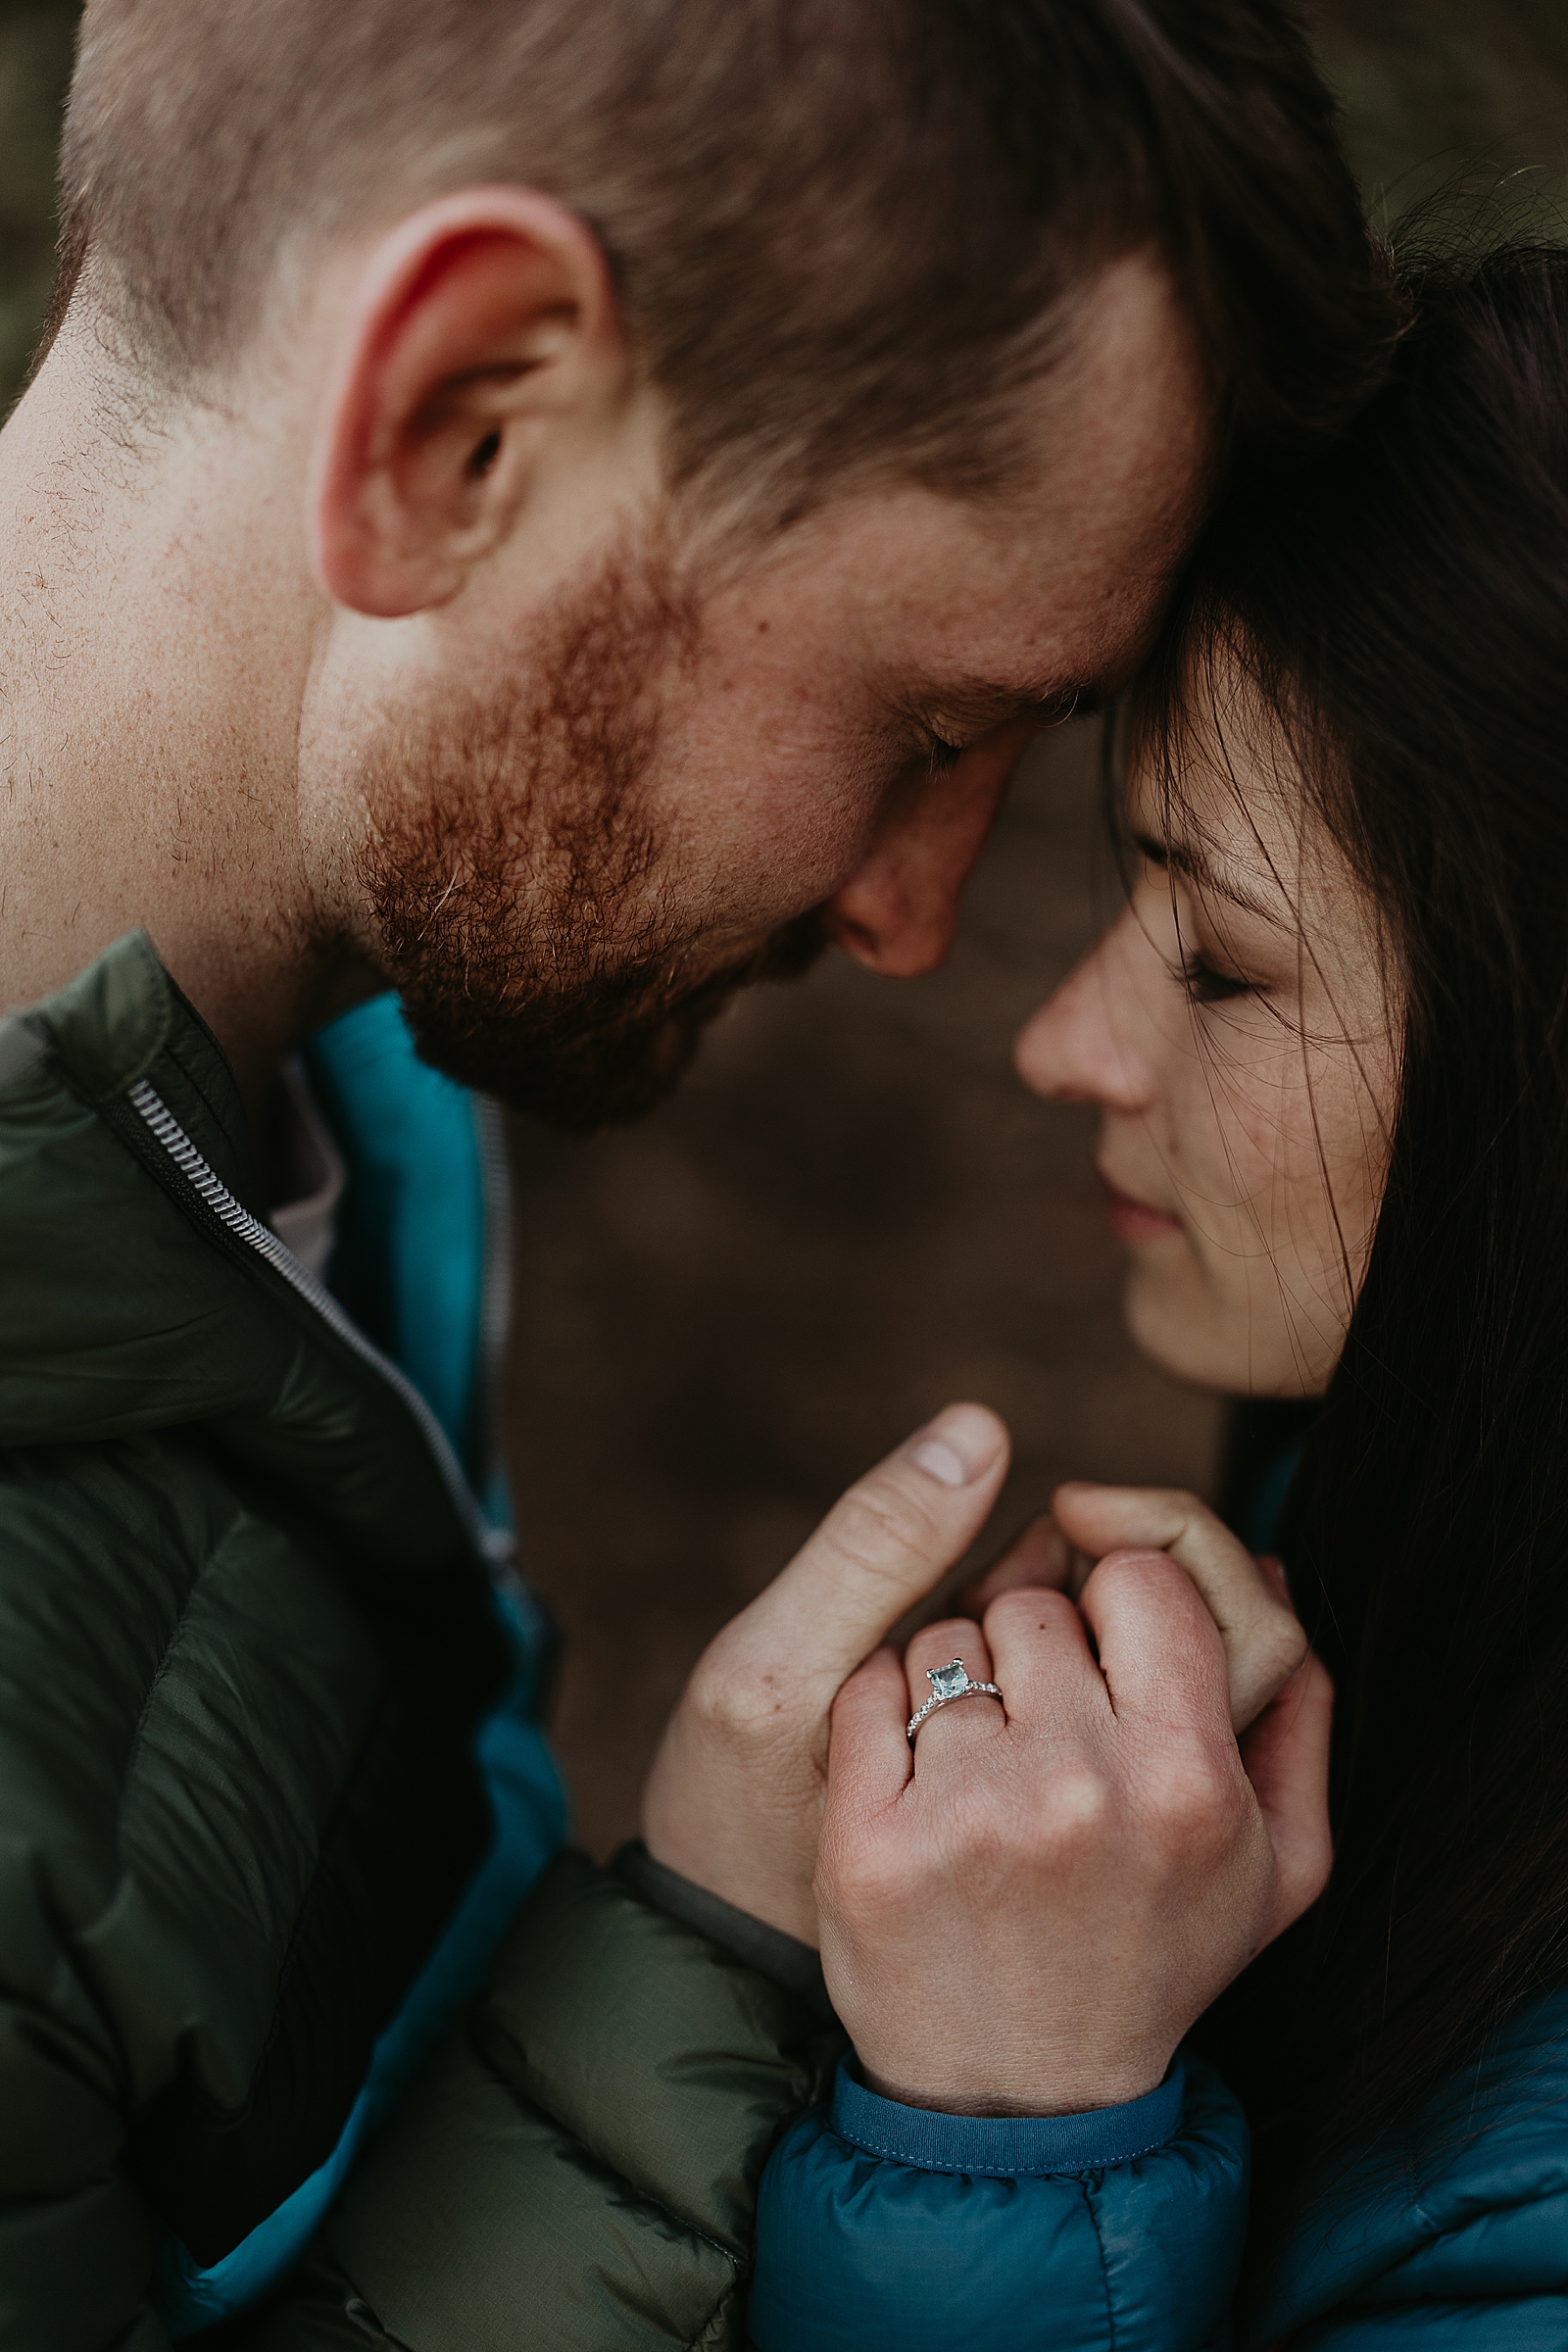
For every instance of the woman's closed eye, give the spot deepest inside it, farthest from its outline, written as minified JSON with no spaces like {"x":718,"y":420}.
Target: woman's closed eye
{"x":1205,"y":984}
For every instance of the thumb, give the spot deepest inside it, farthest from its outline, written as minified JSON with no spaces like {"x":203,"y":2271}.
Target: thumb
{"x":882,"y":1547}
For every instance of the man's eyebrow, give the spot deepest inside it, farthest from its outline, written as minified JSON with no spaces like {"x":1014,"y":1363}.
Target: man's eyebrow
{"x":1191,"y":859}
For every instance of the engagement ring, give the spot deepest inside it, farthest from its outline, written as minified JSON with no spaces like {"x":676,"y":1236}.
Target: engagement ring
{"x":947,"y":1683}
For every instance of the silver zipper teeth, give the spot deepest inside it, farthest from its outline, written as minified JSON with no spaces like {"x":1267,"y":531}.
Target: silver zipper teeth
{"x":493,"y":1542}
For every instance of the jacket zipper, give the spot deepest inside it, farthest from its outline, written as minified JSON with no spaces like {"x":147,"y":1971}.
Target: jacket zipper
{"x":494,"y":1544}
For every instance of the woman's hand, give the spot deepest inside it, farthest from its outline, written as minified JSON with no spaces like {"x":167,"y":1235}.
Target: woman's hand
{"x":1027,"y":1913}
{"x":734,"y":1797}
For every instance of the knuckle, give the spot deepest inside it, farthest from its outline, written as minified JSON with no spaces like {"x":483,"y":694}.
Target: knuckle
{"x":879,"y":1521}
{"x":738,"y":1698}
{"x":1079,"y":1809}
{"x":863,"y":1877}
{"x":1180,"y":1503}
{"x":1167,"y":1512}
{"x":1138,"y":1564}
{"x":1027,"y":1609}
{"x":1198,"y":1796}
{"x":1287,"y":1645}
{"x":944,"y":1635}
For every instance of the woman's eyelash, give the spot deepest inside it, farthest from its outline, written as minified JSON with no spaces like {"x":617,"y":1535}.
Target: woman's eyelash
{"x":944,"y":754}
{"x":1205,"y":986}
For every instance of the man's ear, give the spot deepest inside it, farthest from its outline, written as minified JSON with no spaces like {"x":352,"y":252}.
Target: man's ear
{"x":483,"y":327}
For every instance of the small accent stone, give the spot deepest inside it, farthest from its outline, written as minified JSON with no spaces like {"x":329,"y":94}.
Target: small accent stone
{"x":947,"y":1681}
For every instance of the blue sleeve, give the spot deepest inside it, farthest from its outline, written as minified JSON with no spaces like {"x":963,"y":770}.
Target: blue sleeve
{"x":883,"y":2225}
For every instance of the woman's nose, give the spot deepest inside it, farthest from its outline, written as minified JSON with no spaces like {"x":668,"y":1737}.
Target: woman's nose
{"x":1080,"y":1046}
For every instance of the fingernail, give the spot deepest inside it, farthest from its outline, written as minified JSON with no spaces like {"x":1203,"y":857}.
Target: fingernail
{"x":959,"y":1446}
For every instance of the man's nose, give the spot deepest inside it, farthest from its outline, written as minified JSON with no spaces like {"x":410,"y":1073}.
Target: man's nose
{"x":1082,"y":1045}
{"x":898,"y":912}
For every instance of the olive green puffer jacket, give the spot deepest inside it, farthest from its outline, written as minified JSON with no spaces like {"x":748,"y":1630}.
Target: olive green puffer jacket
{"x":256,"y":1766}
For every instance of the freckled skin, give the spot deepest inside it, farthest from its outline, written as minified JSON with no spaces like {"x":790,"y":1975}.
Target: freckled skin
{"x":1255,"y":1127}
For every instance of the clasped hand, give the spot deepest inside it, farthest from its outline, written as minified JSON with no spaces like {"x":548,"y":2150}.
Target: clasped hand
{"x":1027,"y":1911}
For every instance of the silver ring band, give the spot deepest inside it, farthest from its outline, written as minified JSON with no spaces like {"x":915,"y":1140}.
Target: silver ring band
{"x":947,"y":1683}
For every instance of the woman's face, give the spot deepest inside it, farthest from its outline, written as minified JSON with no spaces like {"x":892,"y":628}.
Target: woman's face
{"x":1235,"y":1026}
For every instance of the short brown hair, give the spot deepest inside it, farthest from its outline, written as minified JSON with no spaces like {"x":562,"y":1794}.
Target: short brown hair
{"x":839,"y":227}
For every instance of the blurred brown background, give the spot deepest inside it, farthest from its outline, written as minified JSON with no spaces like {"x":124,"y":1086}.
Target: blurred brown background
{"x":852,"y":1213}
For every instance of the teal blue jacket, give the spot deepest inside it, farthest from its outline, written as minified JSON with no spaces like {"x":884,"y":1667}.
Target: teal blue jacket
{"x":1130,"y":2229}
{"x":881,"y":2226}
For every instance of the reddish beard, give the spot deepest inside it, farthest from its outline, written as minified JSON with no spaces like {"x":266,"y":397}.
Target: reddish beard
{"x":526,"y":907}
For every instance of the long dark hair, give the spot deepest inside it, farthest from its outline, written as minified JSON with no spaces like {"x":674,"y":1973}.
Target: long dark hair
{"x":1399,"y":609}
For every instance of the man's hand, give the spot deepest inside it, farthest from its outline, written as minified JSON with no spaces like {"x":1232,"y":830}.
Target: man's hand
{"x":1028,"y":1912}
{"x":1247,"y":1597}
{"x":734,"y":1797}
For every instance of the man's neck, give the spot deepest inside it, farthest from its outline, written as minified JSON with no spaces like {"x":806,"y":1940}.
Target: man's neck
{"x":154,"y":647}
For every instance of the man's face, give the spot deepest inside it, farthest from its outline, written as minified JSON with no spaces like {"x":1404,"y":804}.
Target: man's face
{"x":671,"y":782}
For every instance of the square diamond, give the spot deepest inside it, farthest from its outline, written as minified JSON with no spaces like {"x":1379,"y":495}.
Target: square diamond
{"x":947,"y":1681}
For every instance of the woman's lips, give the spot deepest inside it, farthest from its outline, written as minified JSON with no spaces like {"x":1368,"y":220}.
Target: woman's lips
{"x":1134,"y":1220}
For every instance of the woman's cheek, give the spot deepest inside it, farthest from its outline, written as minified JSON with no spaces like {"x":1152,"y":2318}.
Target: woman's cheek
{"x":1355,"y":1115}
{"x":1226,"y":1152}
{"x":1186,"y":1310}
{"x":1213,"y":1306}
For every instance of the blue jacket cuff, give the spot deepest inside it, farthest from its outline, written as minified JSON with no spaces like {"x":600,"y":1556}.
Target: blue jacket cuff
{"x":1007,"y":2146}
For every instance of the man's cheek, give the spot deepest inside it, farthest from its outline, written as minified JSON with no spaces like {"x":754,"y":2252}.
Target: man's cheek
{"x":780,"y":819}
